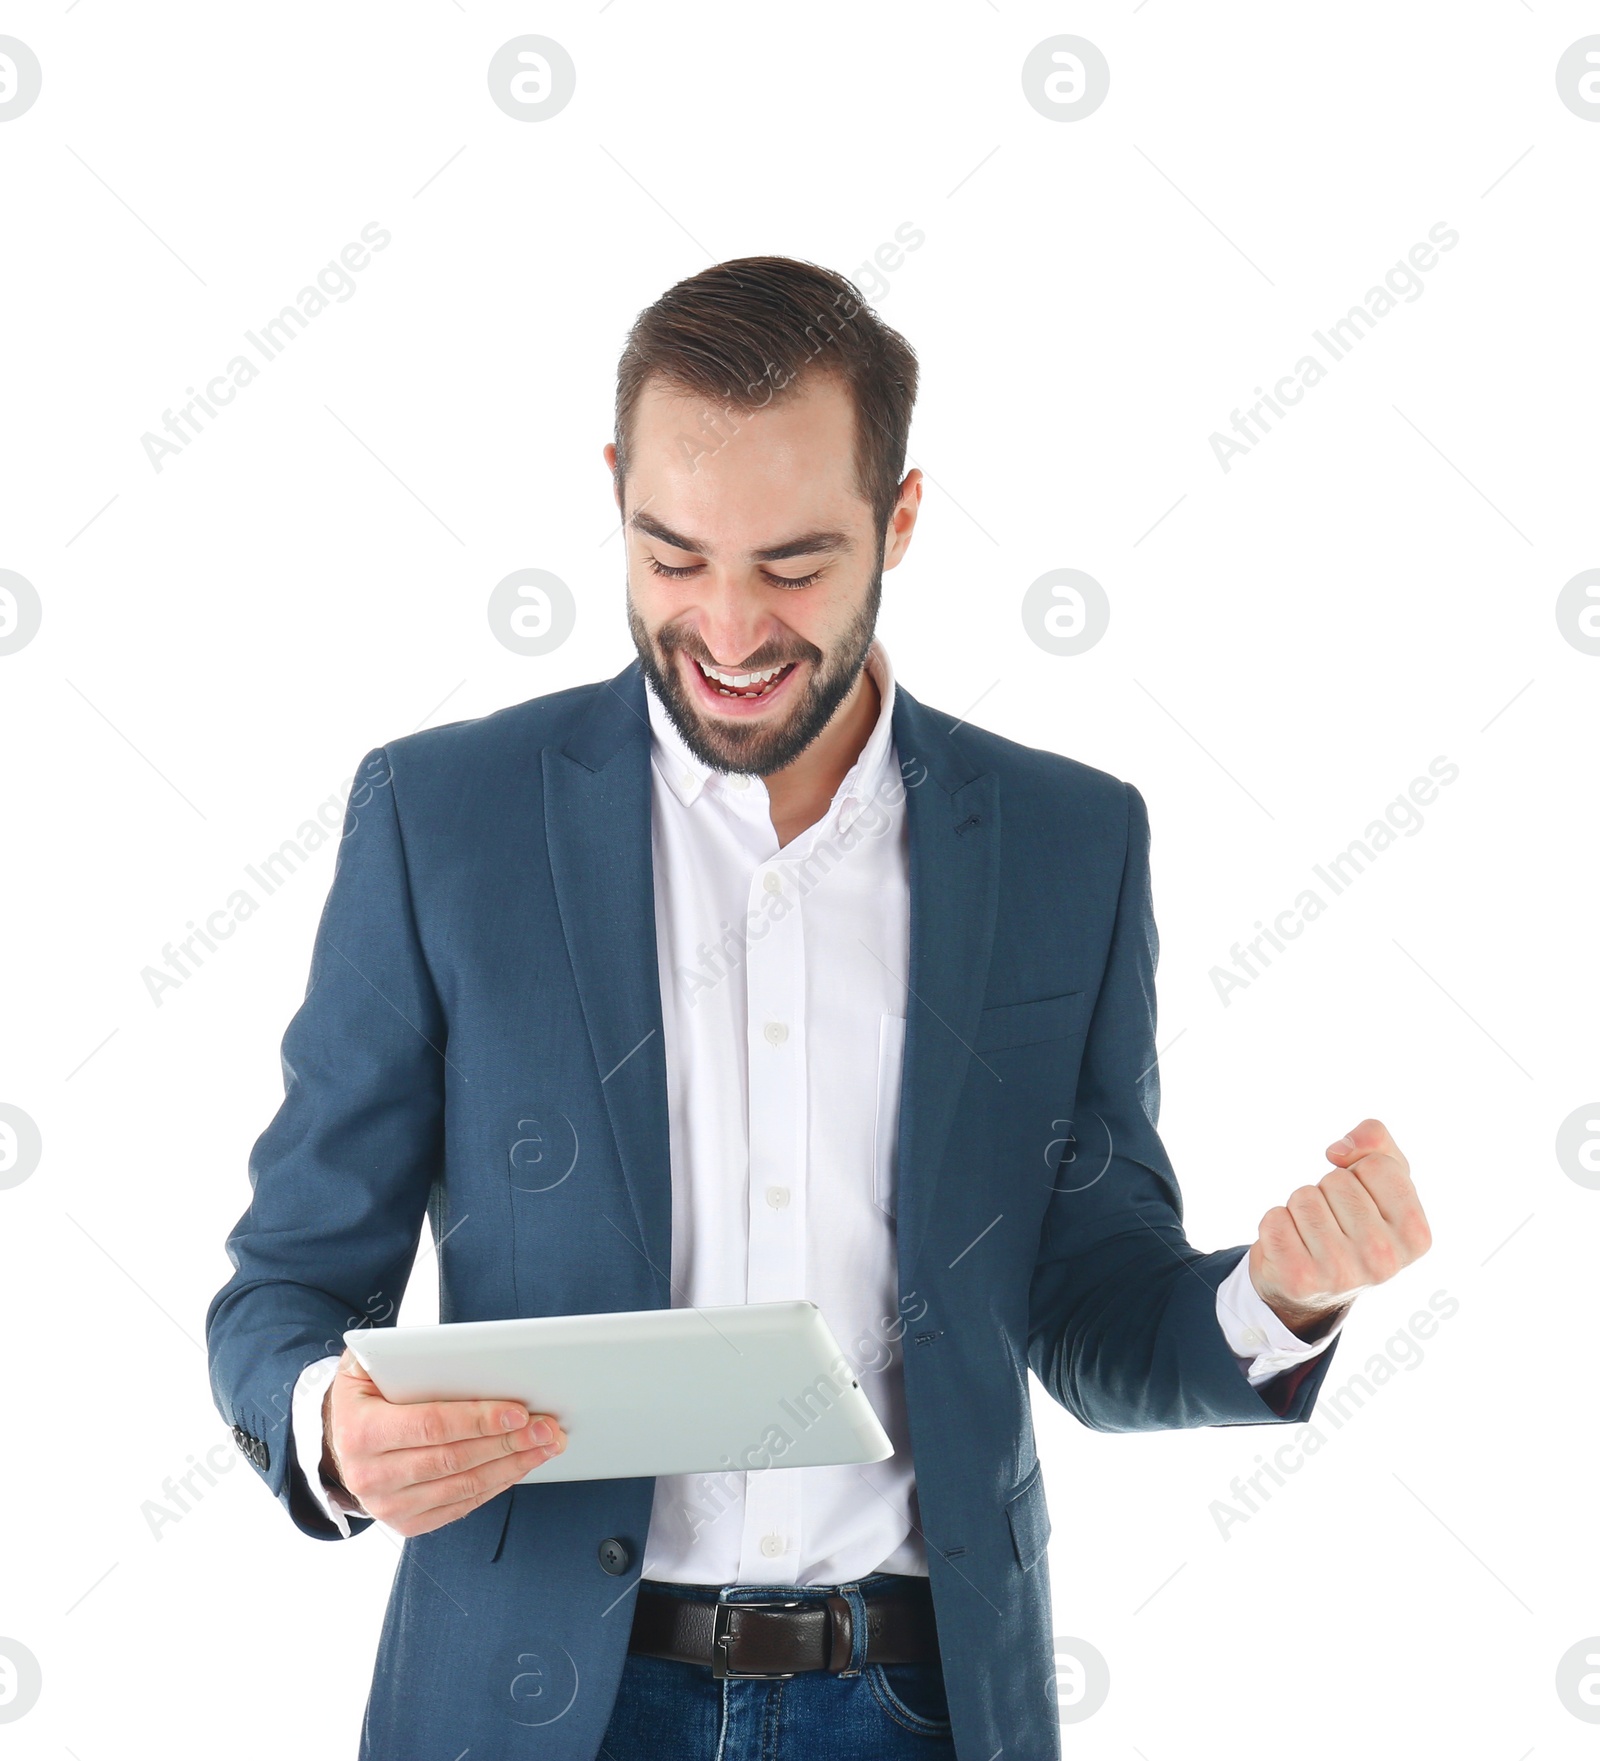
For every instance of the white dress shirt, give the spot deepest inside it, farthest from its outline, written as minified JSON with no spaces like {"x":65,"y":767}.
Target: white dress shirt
{"x":783,"y":1002}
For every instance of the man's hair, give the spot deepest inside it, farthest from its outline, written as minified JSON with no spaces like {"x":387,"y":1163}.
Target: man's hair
{"x":752,"y":332}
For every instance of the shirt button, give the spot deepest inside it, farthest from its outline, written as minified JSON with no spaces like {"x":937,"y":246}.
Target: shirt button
{"x":776,"y":1033}
{"x":773,"y":883}
{"x":738,"y":780}
{"x":772,"y":1545}
{"x":1254,"y":1336}
{"x":777,"y":1197}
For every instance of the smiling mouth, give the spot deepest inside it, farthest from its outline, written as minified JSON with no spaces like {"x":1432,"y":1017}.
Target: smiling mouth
{"x":752,"y":684}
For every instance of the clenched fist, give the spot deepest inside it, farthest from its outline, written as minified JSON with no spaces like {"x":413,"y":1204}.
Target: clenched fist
{"x":417,"y":1467}
{"x":1358,"y":1226}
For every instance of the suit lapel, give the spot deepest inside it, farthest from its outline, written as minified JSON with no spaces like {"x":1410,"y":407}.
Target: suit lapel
{"x":953,"y":828}
{"x":597,"y":829}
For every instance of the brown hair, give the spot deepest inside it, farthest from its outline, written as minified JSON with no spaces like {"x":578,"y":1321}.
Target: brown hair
{"x":747,"y":332}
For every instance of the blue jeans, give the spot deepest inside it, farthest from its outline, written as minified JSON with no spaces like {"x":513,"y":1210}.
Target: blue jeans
{"x":889,"y":1712}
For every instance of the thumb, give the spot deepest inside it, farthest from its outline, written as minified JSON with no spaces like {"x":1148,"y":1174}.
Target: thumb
{"x":361,"y":1382}
{"x":1349,"y":1148}
{"x":1360,"y":1140}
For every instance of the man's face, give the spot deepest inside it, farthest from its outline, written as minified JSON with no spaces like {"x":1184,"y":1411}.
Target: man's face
{"x":750,"y":553}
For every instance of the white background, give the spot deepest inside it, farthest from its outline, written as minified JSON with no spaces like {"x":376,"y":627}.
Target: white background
{"x":1372,"y":587}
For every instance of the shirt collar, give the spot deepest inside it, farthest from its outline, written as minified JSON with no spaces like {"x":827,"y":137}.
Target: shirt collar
{"x":689,"y":778}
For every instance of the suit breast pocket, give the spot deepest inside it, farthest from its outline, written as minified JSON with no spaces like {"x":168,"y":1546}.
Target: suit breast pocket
{"x":1022,"y":1082}
{"x":1032,"y":1023}
{"x":886,"y":1132}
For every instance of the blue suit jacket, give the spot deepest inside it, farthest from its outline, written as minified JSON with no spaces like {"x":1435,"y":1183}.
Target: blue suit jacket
{"x":487,"y":957}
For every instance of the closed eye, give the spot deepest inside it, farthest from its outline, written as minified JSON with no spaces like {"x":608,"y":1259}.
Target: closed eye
{"x":791,"y":582}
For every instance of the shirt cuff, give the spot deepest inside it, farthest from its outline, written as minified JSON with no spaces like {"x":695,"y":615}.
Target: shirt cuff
{"x":1259,"y":1341}
{"x":306,"y":1421}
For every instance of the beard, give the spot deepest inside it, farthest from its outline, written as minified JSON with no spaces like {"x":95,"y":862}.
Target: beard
{"x":755,"y":748}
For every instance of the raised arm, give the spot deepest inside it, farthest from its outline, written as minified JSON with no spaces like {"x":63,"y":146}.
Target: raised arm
{"x":1123,"y":1310}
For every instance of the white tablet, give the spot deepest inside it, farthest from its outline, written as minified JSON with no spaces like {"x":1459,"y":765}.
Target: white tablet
{"x":649,"y":1391}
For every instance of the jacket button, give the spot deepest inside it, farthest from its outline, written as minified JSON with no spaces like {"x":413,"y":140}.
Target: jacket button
{"x":615,"y":1556}
{"x":252,"y":1448}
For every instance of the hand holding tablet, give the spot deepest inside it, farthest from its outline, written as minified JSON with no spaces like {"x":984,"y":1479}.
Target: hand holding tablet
{"x":746,"y":1386}
{"x":419,"y":1466}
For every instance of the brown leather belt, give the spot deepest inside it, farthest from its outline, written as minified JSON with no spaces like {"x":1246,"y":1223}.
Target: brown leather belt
{"x":778,"y":1637}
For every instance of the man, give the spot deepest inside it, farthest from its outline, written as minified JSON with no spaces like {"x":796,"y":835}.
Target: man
{"x":744,"y":976}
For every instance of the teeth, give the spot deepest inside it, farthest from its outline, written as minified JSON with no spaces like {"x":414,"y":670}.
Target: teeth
{"x":738,"y":681}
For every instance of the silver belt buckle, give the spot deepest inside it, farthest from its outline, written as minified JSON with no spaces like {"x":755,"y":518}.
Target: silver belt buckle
{"x":722,"y":1639}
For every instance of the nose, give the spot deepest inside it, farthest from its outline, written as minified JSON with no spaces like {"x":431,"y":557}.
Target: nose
{"x":734,"y":620}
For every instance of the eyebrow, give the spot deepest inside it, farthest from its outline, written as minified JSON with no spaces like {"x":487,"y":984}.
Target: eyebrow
{"x":806,"y":544}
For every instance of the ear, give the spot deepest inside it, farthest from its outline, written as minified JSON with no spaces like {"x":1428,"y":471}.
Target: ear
{"x":903,"y":520}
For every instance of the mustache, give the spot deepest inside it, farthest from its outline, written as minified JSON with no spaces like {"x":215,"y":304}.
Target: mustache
{"x":669,"y":640}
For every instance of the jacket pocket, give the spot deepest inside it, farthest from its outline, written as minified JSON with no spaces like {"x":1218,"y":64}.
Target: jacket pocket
{"x":886,"y":1134}
{"x":1027,"y":1024}
{"x":1029,"y":1517}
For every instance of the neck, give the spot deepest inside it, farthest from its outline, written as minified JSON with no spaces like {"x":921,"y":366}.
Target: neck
{"x":799,"y":794}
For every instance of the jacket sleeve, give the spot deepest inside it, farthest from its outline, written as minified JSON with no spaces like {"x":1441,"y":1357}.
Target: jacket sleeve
{"x":340,"y":1179}
{"x":1123,"y":1325}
